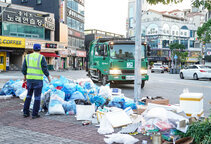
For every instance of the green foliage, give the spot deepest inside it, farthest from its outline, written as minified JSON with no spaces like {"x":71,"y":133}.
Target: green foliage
{"x":163,"y":1}
{"x":204,"y":32}
{"x":200,"y":131}
{"x":178,"y":49}
{"x":205,"y":3}
{"x":151,"y":63}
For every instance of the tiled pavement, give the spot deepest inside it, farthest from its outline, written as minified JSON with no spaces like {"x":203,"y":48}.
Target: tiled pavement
{"x":53,"y":129}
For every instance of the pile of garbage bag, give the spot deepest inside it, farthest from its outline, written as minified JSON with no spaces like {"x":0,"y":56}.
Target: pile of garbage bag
{"x":62,"y":95}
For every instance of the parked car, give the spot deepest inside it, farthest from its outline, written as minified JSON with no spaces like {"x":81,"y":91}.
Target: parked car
{"x":157,"y":67}
{"x":166,"y":68}
{"x":196,"y":72}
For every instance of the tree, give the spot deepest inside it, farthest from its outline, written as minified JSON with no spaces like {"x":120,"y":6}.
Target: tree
{"x":179,"y":50}
{"x":204,"y":31}
{"x":163,"y":1}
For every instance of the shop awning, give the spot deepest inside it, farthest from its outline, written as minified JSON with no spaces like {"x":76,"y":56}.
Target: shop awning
{"x":48,"y":54}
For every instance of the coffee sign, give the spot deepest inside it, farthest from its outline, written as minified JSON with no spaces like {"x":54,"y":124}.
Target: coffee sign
{"x":12,"y":42}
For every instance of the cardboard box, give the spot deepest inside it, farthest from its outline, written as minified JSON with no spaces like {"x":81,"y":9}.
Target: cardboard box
{"x":140,"y":109}
{"x":158,"y":101}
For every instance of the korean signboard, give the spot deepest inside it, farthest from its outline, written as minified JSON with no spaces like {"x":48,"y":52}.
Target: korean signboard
{"x":50,"y":23}
{"x":23,"y":17}
{"x":50,"y":45}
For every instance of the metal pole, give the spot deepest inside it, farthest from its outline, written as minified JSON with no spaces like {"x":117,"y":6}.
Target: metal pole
{"x":137,"y":84}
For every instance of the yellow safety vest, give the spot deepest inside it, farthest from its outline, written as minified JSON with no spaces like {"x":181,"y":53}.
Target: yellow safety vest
{"x":34,"y":69}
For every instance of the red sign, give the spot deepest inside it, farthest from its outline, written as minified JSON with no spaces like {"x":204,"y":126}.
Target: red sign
{"x":81,"y":53}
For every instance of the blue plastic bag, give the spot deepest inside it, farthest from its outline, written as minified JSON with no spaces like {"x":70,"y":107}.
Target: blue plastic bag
{"x":98,"y":100}
{"x":87,"y":85}
{"x":59,"y":93}
{"x":69,"y":89}
{"x":77,"y":95}
{"x":59,"y":82}
{"x":8,"y":89}
{"x":69,"y":107}
{"x":117,"y":101}
{"x":129,"y":103}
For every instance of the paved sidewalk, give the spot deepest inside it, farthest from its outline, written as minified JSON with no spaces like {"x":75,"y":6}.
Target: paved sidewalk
{"x":57,"y":129}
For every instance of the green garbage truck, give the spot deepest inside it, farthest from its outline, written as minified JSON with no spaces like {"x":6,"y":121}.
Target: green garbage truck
{"x":113,"y":60}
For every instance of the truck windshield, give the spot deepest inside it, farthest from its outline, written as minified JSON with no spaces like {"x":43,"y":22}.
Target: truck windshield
{"x":125,"y":51}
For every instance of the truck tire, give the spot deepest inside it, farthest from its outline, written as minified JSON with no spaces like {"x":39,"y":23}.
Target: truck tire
{"x":142,"y":83}
{"x":104,"y":80}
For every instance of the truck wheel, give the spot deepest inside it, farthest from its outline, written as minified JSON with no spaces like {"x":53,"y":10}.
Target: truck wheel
{"x":104,"y":80}
{"x":142,"y":83}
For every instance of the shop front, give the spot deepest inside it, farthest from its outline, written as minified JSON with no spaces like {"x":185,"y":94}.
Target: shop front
{"x":11,"y":53}
{"x":64,"y":59}
{"x":81,"y":55}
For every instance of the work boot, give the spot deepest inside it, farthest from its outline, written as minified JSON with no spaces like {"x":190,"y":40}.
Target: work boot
{"x":26,"y":115}
{"x":36,"y":116}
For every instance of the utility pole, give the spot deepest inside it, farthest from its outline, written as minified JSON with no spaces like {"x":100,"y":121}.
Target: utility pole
{"x":138,"y":79}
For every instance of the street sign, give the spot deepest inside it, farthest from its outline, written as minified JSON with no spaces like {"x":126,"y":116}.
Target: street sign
{"x":175,"y":57}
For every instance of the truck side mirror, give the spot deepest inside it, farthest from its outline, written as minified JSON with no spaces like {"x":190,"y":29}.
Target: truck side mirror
{"x":148,"y":50}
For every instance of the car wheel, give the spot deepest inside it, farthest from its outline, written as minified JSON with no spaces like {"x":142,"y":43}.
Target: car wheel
{"x":195,"y":77}
{"x":152,"y":71}
{"x":210,"y":79}
{"x":162,"y":71}
{"x":181,"y":76}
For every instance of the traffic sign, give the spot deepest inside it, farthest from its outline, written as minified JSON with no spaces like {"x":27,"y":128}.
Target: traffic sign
{"x":175,"y":57}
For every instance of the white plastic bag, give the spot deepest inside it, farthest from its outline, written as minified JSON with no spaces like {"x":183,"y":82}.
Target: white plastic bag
{"x":120,"y":138}
{"x":85,"y":112}
{"x":55,"y":105}
{"x":23,"y":95}
{"x":105,"y":92}
{"x":105,"y":126}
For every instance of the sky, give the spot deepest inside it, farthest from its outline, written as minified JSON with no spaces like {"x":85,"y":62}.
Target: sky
{"x":111,"y":15}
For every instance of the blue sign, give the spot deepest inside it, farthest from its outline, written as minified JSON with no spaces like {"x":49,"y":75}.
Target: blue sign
{"x":175,"y":57}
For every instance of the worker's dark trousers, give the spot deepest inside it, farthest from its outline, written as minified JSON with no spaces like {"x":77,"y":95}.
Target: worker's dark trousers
{"x":33,"y":86}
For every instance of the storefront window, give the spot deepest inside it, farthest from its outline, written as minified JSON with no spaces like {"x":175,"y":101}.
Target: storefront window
{"x":175,"y":41}
{"x":153,"y":43}
{"x":165,"y":43}
{"x":185,"y":43}
{"x":19,"y":30}
{"x":191,"y":44}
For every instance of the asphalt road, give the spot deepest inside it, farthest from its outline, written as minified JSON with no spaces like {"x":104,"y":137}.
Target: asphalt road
{"x":170,"y":86}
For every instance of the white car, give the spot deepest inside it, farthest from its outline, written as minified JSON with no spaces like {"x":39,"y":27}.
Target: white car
{"x":196,"y":72}
{"x":157,"y":67}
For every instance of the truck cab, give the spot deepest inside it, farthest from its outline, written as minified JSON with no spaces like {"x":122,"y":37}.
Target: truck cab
{"x":113,"y":60}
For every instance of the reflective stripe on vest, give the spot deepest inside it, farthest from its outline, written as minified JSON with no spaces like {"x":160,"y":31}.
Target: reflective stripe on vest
{"x":34,"y":70}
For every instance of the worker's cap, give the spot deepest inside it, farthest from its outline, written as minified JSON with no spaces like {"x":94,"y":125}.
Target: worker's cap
{"x":37,"y":47}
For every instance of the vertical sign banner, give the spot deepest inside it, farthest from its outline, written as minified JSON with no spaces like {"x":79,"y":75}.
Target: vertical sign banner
{"x":62,"y":11}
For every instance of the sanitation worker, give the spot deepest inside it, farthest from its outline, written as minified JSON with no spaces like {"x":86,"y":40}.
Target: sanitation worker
{"x":34,"y":66}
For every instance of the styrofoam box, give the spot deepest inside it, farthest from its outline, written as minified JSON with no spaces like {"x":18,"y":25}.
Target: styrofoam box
{"x":192,"y":103}
{"x":116,"y":91}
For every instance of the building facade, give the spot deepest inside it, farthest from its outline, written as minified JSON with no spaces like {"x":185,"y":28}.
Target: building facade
{"x":160,"y":29}
{"x":21,"y":27}
{"x":69,"y":25}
